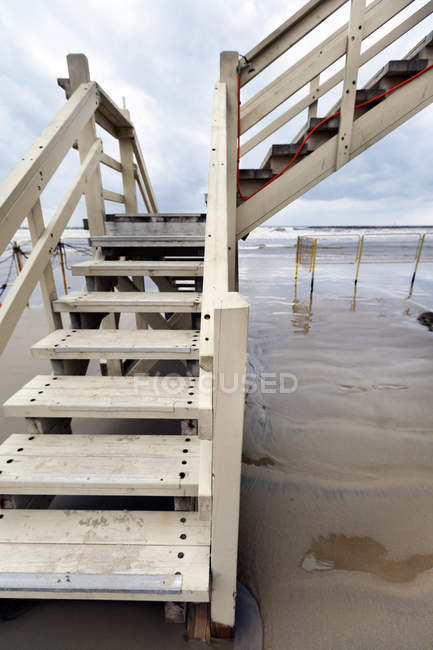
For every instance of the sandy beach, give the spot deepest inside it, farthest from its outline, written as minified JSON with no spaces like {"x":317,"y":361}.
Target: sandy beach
{"x":336,"y":518}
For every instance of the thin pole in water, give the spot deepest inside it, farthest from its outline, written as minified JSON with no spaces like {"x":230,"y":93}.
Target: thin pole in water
{"x":417,"y":259}
{"x":358,"y":264}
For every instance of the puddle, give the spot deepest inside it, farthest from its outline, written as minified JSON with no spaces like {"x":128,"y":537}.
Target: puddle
{"x":364,"y":554}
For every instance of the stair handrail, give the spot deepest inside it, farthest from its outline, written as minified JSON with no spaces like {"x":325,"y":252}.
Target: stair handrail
{"x":310,"y":67}
{"x":21,"y":190}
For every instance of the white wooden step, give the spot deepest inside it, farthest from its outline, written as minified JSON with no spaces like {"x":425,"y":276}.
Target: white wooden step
{"x":129,"y":301}
{"x":110,"y":555}
{"x":118,"y":344}
{"x":133,"y":226}
{"x":106,"y":397}
{"x":165,"y":268}
{"x":101,"y":465}
{"x":140,"y":241}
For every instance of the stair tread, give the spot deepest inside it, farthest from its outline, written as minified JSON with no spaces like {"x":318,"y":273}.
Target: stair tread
{"x":129,"y":301}
{"x":100,"y":465}
{"x":135,"y":267}
{"x":147,"y":240}
{"x":398,"y":68}
{"x":114,"y":554}
{"x":122,"y":397}
{"x":118,"y":344}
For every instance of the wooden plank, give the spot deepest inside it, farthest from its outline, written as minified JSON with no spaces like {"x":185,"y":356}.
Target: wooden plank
{"x":165,"y":268}
{"x":100,"y":475}
{"x":100,"y":559}
{"x":23,"y":186}
{"x":57,"y":445}
{"x":228,"y":75}
{"x":118,"y":344}
{"x":142,"y":527}
{"x":78,"y":67}
{"x":315,"y":62}
{"x":150,"y":241}
{"x":128,"y":171}
{"x":216,"y":263}
{"x":302,"y":22}
{"x":367,"y":129}
{"x":113,"y":196}
{"x":102,"y":397}
{"x":110,"y":162}
{"x":129,"y":302}
{"x":205,"y":481}
{"x":47,"y":283}
{"x":20,"y":293}
{"x":348,"y":97}
{"x":231,"y":336}
{"x":162,"y":215}
{"x":144,"y":174}
{"x":109,"y":109}
{"x":124,"y":228}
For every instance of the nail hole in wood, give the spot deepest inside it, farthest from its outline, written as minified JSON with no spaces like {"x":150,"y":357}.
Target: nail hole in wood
{"x":10,"y":460}
{"x":183,"y":536}
{"x":181,"y":474}
{"x":182,"y":520}
{"x":180,"y":555}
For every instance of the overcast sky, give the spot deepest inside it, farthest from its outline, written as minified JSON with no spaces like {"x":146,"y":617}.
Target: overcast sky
{"x":163,"y":57}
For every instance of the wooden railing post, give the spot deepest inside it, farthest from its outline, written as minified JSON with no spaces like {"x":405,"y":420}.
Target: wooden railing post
{"x":353,"y":57}
{"x":36,"y":224}
{"x":128,"y":173}
{"x":231,"y":335}
{"x":78,"y":67}
{"x":229,"y":75}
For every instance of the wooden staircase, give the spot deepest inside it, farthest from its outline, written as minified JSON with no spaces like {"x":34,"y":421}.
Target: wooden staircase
{"x":161,"y":297}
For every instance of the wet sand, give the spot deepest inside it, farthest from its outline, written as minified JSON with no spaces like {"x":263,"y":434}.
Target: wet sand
{"x":336,"y":534}
{"x":336,"y":529}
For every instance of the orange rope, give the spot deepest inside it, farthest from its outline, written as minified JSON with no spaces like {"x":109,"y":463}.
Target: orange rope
{"x":308,"y":136}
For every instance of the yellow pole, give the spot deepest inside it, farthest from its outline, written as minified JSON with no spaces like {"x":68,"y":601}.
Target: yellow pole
{"x":298,"y":250}
{"x":358,"y":264}
{"x":313,"y":265}
{"x":417,"y":259}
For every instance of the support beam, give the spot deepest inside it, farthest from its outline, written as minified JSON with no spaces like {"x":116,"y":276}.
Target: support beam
{"x":231,"y":335}
{"x":47,"y":283}
{"x":347,"y":108}
{"x":228,"y":75}
{"x":23,"y":186}
{"x":78,"y":67}
{"x":24,"y":285}
{"x":128,"y":175}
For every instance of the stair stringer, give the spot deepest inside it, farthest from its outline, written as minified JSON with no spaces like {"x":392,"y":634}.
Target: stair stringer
{"x":368,"y":129}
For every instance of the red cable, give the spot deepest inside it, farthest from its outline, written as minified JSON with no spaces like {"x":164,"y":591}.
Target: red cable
{"x":308,"y":136}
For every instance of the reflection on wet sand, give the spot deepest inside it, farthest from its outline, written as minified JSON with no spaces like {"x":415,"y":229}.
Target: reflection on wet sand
{"x":345,"y":553}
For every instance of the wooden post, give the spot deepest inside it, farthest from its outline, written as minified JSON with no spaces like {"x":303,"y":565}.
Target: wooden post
{"x":229,"y":75}
{"x":128,"y":172}
{"x":314,"y":89}
{"x":47,"y":283}
{"x":353,"y":58}
{"x":78,"y":67}
{"x":231,"y":334}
